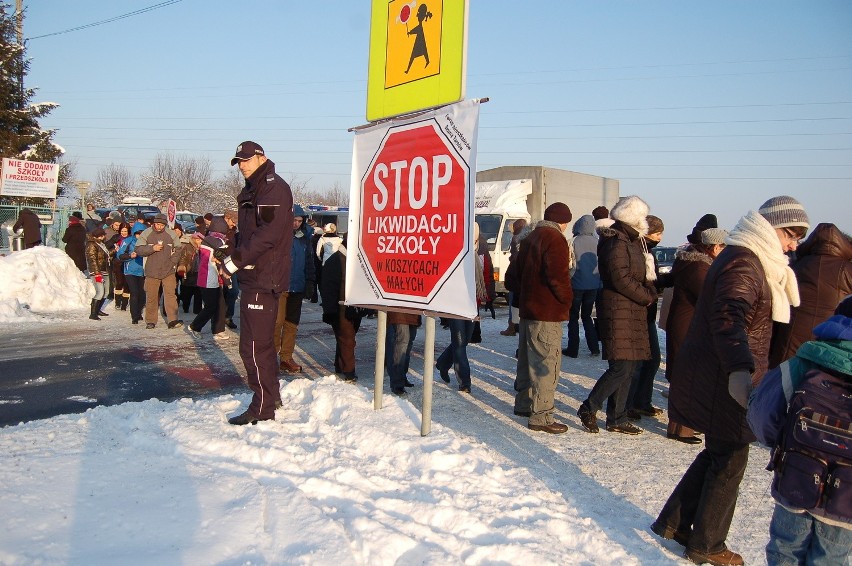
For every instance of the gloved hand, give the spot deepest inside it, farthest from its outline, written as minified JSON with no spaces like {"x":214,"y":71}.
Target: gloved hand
{"x":220,"y":254}
{"x":99,"y":278}
{"x":739,"y":386}
{"x":310,"y":290}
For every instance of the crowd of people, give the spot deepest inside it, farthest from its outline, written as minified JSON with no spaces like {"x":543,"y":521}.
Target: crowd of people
{"x":735,"y":305}
{"x":734,"y":310}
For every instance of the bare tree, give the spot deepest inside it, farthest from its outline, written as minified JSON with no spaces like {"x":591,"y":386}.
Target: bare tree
{"x":223,"y":193}
{"x":113,"y":183}
{"x":337,"y":195}
{"x":186,"y":180}
{"x":299,"y":187}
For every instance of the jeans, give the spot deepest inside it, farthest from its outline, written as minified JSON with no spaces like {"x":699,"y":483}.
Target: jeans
{"x":704,"y":500}
{"x":455,"y":354}
{"x":101,"y":289}
{"x":798,"y":538}
{"x":642,"y":384}
{"x":136,"y":286}
{"x":581,"y":309}
{"x":613,"y":387}
{"x":539,"y":366}
{"x":398,"y":343}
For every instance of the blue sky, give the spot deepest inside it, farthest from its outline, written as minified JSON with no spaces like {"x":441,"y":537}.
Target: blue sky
{"x":695,"y":106}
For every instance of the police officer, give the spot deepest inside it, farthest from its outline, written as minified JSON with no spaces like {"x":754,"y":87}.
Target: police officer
{"x":262,"y":257}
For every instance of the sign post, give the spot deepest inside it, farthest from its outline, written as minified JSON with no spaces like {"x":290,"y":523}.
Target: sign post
{"x":83,"y":189}
{"x":411,"y":224}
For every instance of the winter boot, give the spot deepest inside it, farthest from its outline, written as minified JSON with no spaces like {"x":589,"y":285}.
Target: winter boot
{"x":125,"y":300}
{"x":100,"y":308}
{"x":117,"y":302}
{"x":94,"y":311}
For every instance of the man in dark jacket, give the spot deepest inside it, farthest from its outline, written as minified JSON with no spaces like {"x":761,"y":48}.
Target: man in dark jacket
{"x":541,"y":276}
{"x":726,"y":351}
{"x":29,"y":222}
{"x":75,"y":240}
{"x":301,"y":286}
{"x":262,"y":257}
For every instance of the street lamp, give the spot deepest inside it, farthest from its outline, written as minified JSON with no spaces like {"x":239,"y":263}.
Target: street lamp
{"x":83,"y":188}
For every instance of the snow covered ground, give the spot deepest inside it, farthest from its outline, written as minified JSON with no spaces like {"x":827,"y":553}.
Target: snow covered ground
{"x":331,"y":481}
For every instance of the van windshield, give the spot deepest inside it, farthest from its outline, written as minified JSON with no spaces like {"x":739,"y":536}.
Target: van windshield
{"x":489,"y":227}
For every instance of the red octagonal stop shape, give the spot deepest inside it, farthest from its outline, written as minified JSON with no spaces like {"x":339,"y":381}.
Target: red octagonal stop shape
{"x":414,"y":206}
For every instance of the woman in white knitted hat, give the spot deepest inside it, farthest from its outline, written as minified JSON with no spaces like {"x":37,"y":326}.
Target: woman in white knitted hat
{"x":725,"y":353}
{"x":628,"y":278}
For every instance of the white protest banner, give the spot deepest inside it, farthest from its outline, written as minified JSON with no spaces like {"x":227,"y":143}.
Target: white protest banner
{"x":411,"y":213}
{"x":33,"y":179}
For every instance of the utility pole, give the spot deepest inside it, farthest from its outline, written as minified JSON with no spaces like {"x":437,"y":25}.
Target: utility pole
{"x":19,"y":15}
{"x":19,"y":18}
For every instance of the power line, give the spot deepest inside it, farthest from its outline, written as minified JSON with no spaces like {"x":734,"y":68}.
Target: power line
{"x":242,"y":119}
{"x":109,"y":20}
{"x":481,"y":127}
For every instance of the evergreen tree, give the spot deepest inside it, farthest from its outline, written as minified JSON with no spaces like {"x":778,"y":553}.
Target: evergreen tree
{"x":20,"y":134}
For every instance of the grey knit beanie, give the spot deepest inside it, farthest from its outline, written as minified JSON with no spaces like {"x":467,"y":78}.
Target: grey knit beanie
{"x":784,"y":211}
{"x":712,"y":236}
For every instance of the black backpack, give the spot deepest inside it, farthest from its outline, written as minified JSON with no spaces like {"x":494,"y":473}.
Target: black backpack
{"x":813,"y":459}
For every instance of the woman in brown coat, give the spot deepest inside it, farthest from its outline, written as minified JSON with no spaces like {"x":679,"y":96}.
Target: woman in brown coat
{"x":688,"y":272}
{"x":824,"y":273}
{"x":725,"y":352}
{"x":628,"y":291}
{"x":98,"y":261}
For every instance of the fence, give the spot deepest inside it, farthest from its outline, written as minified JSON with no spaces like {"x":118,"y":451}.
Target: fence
{"x":51,"y":230}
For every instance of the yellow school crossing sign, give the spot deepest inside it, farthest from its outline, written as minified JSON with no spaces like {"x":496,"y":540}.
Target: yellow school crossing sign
{"x":418,"y":50}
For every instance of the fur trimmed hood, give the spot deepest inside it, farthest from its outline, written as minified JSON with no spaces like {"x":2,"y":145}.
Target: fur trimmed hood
{"x":632,"y":210}
{"x":691,"y":254}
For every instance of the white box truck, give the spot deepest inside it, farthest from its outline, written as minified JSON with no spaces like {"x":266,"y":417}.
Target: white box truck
{"x":505,"y":194}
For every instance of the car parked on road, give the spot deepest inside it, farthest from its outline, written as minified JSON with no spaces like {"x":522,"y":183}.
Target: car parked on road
{"x":665,"y":258}
{"x":187,"y":220}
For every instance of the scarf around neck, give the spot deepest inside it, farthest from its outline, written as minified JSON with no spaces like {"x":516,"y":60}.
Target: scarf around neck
{"x":758,"y":235}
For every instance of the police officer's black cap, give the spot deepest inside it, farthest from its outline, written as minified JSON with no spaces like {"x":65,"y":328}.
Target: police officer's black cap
{"x":246,"y":150}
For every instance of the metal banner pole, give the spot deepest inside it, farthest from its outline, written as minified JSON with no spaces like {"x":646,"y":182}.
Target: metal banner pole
{"x":379,"y":376}
{"x":428,"y":370}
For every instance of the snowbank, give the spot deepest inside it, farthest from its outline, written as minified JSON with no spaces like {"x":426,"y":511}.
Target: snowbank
{"x":43,"y":279}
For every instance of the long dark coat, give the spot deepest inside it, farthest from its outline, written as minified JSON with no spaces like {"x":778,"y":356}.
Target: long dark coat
{"x":75,"y":244}
{"x":626,"y":295}
{"x":730,"y":331}
{"x":824,"y":273}
{"x":29,"y":221}
{"x":687,"y":276}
